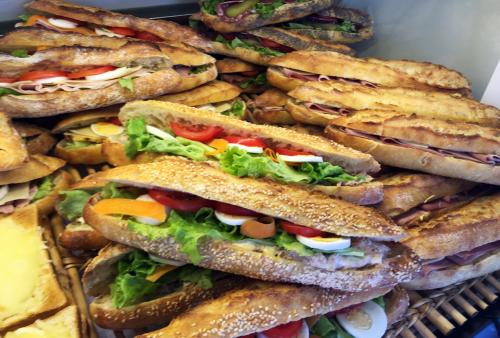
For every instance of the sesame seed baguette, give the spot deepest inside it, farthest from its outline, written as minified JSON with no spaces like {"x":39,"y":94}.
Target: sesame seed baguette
{"x":13,"y":153}
{"x":160,"y":114}
{"x":259,"y":307}
{"x":212,"y":92}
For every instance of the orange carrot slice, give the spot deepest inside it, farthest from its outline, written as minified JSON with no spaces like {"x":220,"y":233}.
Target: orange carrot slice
{"x":220,"y":146}
{"x":160,"y":271}
{"x":124,"y":206}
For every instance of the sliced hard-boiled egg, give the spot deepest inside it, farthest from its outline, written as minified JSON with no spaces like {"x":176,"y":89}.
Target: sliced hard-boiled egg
{"x":303,"y":332}
{"x":325,"y":243}
{"x":112,"y":74}
{"x":232,"y":219}
{"x":61,"y":23}
{"x":147,"y":220}
{"x":52,"y":80}
{"x":300,"y":158}
{"x":106,"y":129}
{"x":107,"y":32}
{"x":165,"y":261}
{"x":159,"y":133}
{"x":367,"y":321}
{"x":253,"y":150}
{"x":4,"y":190}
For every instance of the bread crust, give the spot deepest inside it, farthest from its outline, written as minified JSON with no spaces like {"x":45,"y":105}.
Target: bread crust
{"x":167,"y":30}
{"x":463,"y":229}
{"x":362,"y":194}
{"x":38,"y":140}
{"x":114,"y":154}
{"x":13,"y":152}
{"x":89,"y":155}
{"x":82,"y":239}
{"x":406,"y":190}
{"x":155,"y":84}
{"x":161,"y":113}
{"x":279,"y":80}
{"x":46,"y":205}
{"x":274,"y":98}
{"x":244,"y":54}
{"x":417,"y":159}
{"x":231,"y":65}
{"x":259,"y":307}
{"x":85,"y":118}
{"x":302,"y":114}
{"x":425,"y":104}
{"x":456,"y":273}
{"x":286,"y":12}
{"x":212,"y":92}
{"x":195,"y":80}
{"x":38,"y":166}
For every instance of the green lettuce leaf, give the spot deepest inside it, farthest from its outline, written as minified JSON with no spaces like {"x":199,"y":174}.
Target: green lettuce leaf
{"x":266,"y":10}
{"x":237,"y":109}
{"x":329,"y":328}
{"x":325,"y":172}
{"x":346,"y":27}
{"x":259,"y":80}
{"x":45,"y":186}
{"x":111,"y":190}
{"x":24,"y":17}
{"x":77,"y":144}
{"x":127,"y":83}
{"x":71,"y":206}
{"x":193,"y":274}
{"x":210,"y":6}
{"x":289,"y":242}
{"x":197,"y":69}
{"x":8,"y":91}
{"x":248,"y":44}
{"x":380,"y":301}
{"x":20,"y":53}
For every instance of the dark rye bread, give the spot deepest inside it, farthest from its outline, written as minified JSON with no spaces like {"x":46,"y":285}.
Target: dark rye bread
{"x":464,"y":229}
{"x":426,"y":104}
{"x":160,"y":114}
{"x":286,"y":12}
{"x":13,"y":153}
{"x":212,"y":92}
{"x":258,"y":307}
{"x":167,"y":30}
{"x":397,"y":74}
{"x":160,"y":310}
{"x":38,"y":166}
{"x":36,"y":139}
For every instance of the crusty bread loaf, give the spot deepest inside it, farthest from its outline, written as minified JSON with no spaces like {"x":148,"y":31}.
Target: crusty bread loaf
{"x":464,"y":229}
{"x":160,"y":114}
{"x":88,"y":155}
{"x":406,"y":190}
{"x":62,"y":181}
{"x":456,"y":273}
{"x":286,"y":12}
{"x":244,"y":54}
{"x":269,"y":108}
{"x":191,"y":81}
{"x":418,"y":159}
{"x":309,"y":116}
{"x":81,"y":237}
{"x":362,"y":194}
{"x":86,"y":118}
{"x":279,"y":80}
{"x":114,"y":154}
{"x":166,"y":30}
{"x":38,"y":166}
{"x":212,"y":92}
{"x":231,"y":65}
{"x":423,"y":103}
{"x":13,"y":153}
{"x":37,"y":140}
{"x":258,"y":307}
{"x":44,"y":294}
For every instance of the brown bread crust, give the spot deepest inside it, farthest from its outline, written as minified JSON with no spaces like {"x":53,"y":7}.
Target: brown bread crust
{"x":39,"y":141}
{"x":85,"y":118}
{"x":279,"y":80}
{"x":302,"y":114}
{"x":114,"y":154}
{"x":82,"y":239}
{"x":417,"y":159}
{"x":89,"y":155}
{"x":194,"y":80}
{"x":212,"y":92}
{"x":13,"y":152}
{"x":231,"y":65}
{"x":38,"y":166}
{"x":362,"y":194}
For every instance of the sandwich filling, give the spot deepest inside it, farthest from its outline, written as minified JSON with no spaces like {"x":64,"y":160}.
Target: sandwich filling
{"x":236,"y":108}
{"x":306,"y":76}
{"x":94,"y":134}
{"x":246,"y":80}
{"x":324,"y":22}
{"x":488,"y":159}
{"x":237,"y":155}
{"x":14,"y":196}
{"x":188,"y":219}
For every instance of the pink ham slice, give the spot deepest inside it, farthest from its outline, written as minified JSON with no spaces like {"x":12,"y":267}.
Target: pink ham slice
{"x":327,"y":109}
{"x":467,"y":257}
{"x":442,"y":264}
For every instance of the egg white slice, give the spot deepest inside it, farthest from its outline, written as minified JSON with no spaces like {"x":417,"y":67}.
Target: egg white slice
{"x":303,"y":333}
{"x":112,"y":74}
{"x":232,"y":219}
{"x":4,"y":190}
{"x":106,"y":129}
{"x":61,"y":23}
{"x":165,"y":261}
{"x":325,"y":243}
{"x":300,"y":158}
{"x":253,"y":150}
{"x":370,"y":321}
{"x":159,"y":133}
{"x":52,"y":80}
{"x":148,"y":220}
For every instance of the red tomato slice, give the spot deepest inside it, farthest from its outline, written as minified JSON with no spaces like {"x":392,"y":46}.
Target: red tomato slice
{"x":246,"y":141}
{"x":180,"y":201}
{"x":276,"y":46}
{"x":7,"y":79}
{"x":234,"y":210}
{"x":116,"y":121}
{"x":300,"y":230}
{"x":148,"y":37}
{"x":250,"y":73}
{"x":289,"y":152}
{"x":90,"y":71}
{"x":288,"y":330}
{"x":199,"y":133}
{"x":122,"y":31}
{"x":41,"y":74}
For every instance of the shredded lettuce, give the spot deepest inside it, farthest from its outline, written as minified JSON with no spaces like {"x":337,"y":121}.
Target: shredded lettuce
{"x":127,"y":83}
{"x":110,"y":190}
{"x":44,"y":188}
{"x":346,"y":27}
{"x":259,"y":80}
{"x":20,"y":53}
{"x":248,"y":44}
{"x":71,"y":206}
{"x":210,"y":6}
{"x":289,"y":242}
{"x":329,"y":328}
{"x":8,"y":91}
{"x":197,"y":69}
{"x":237,"y":109}
{"x":266,"y":9}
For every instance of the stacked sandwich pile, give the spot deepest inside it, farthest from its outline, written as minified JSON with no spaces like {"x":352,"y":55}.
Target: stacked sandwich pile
{"x":214,"y":222}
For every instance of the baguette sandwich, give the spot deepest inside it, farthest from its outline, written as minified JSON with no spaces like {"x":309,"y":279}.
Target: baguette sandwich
{"x":64,"y":16}
{"x":259,"y":46}
{"x":446,"y":148}
{"x":291,"y":70}
{"x":194,"y":68}
{"x":84,"y":134}
{"x":28,"y":287}
{"x":243,"y":149}
{"x":217,"y":96}
{"x":411,"y":198}
{"x":35,"y":183}
{"x":250,"y":78}
{"x":269,"y":108}
{"x":228,"y":16}
{"x":36,"y":139}
{"x":266,"y":310}
{"x":320,"y":102}
{"x":65,"y":323}
{"x":67,"y":79}
{"x":13,"y":152}
{"x":249,"y":227}
{"x":133,"y":289}
{"x":458,"y":245}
